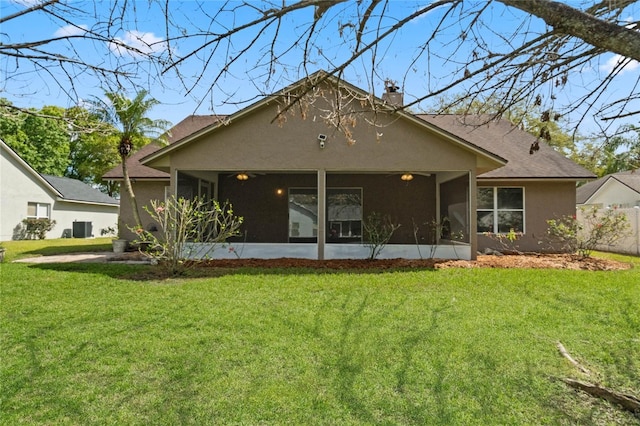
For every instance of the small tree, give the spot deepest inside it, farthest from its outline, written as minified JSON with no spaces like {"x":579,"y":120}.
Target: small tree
{"x":129,"y":117}
{"x":378,"y":231}
{"x":184,"y":222}
{"x":597,"y":227}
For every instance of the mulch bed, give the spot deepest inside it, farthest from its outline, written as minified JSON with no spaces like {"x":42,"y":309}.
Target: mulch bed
{"x":542,"y":261}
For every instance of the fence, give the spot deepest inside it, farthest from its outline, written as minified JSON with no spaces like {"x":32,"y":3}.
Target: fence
{"x":630,"y":243}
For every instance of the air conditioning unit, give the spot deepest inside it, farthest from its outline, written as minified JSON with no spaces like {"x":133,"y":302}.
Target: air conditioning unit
{"x":82,"y":229}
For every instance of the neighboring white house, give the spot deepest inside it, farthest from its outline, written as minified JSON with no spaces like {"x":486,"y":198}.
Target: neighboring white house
{"x":614,"y":190}
{"x":620,"y":191}
{"x":78,"y":209}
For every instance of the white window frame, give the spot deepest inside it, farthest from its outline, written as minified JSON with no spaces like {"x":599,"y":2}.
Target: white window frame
{"x":495,"y":210}
{"x":38,"y":207}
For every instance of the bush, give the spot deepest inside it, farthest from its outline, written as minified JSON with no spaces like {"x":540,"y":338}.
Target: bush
{"x":37,"y":227}
{"x":598,"y":227}
{"x":378,"y":231}
{"x":507,"y":242}
{"x":182,"y":222}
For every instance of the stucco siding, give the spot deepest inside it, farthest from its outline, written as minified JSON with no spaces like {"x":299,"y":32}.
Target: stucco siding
{"x":543,"y":200}
{"x":145,"y":191}
{"x":254,"y":143}
{"x":17,"y":189}
{"x":65,"y":213}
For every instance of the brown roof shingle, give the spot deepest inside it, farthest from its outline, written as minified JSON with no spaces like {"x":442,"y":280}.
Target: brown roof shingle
{"x":509,"y":142}
{"x":186,"y":127}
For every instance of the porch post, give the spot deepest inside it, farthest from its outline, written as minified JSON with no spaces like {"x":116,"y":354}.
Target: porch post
{"x":473,"y":216}
{"x":322,"y":203}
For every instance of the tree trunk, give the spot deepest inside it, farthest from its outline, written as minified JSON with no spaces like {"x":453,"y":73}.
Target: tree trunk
{"x":129,"y":189}
{"x":571,"y":21}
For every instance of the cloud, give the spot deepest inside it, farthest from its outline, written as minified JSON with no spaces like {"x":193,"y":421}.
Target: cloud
{"x":70,"y":30}
{"x":617,"y":60}
{"x":137,"y":43}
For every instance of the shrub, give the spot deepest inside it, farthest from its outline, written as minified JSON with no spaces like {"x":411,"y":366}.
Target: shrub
{"x":378,"y":231}
{"x":506,"y":242}
{"x":108,"y":231}
{"x":183,"y":222}
{"x":597,"y":227}
{"x":37,"y":227}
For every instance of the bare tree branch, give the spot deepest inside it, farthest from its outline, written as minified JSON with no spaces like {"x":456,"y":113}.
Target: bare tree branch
{"x":568,"y":20}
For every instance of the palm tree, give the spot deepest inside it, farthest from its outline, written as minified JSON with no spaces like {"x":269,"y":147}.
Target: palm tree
{"x":129,"y":116}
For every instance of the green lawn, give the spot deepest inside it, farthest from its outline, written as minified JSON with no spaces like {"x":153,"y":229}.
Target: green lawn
{"x":84,"y":344}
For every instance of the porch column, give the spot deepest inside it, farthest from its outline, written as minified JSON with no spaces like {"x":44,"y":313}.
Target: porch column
{"x":473,"y":216}
{"x":322,"y":203}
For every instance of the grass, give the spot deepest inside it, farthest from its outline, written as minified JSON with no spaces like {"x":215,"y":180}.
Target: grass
{"x":82,"y":344}
{"x":32,"y":248}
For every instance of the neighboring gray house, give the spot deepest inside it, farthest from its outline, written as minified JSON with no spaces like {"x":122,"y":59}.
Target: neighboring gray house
{"x":78,"y":209}
{"x":615,"y":190}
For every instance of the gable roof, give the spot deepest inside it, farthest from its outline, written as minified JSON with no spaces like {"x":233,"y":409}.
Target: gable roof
{"x":630,"y":179}
{"x":30,"y":170}
{"x":314,"y":80}
{"x":501,"y":136}
{"x":66,"y":189}
{"x":137,"y":170}
{"x":498,"y":140}
{"x":73,"y":190}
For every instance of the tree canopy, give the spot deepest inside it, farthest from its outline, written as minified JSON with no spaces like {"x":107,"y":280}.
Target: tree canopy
{"x":38,"y":137}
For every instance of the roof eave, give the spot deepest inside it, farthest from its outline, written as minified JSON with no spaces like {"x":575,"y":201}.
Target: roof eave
{"x":30,"y":169}
{"x":93,"y":203}
{"x":536,"y":178}
{"x":136,"y":179}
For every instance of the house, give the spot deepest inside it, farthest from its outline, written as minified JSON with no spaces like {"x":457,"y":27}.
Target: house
{"x":305,"y":178}
{"x":78,"y":209}
{"x":615,"y":190}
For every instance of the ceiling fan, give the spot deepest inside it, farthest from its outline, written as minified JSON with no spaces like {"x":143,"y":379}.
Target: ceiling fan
{"x":242,"y":176}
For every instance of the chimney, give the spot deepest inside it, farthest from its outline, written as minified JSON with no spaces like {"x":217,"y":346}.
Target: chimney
{"x":391,"y":94}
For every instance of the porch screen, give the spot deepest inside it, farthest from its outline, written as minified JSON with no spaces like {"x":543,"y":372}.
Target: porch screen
{"x":344,"y":214}
{"x":303,"y":213}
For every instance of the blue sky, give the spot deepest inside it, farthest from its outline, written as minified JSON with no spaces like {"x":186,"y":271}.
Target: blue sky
{"x":245,"y":83}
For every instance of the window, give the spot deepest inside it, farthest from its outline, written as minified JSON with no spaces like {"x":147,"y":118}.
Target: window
{"x":344,"y":214}
{"x":303,"y":214}
{"x":500,"y":209}
{"x":38,"y":210}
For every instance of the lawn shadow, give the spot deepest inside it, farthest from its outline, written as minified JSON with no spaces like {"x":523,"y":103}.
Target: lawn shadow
{"x":145,"y":272}
{"x":53,"y":250}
